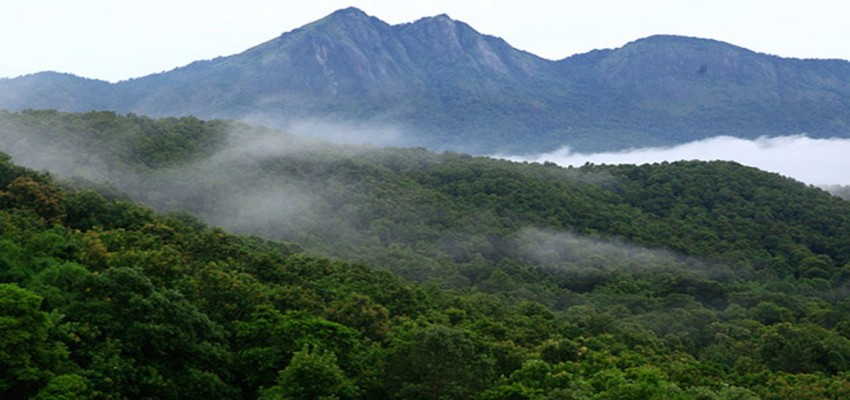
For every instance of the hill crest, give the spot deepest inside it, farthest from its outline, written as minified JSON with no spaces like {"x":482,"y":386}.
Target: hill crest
{"x":447,"y":86}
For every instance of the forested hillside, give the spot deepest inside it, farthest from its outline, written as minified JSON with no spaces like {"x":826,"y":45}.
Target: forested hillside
{"x":452,"y":277}
{"x":429,"y":216}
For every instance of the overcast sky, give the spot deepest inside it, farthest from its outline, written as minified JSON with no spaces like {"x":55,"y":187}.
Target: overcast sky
{"x":120,"y":39}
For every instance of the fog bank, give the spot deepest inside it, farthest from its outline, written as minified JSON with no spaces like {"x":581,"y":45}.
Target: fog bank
{"x":813,"y":161}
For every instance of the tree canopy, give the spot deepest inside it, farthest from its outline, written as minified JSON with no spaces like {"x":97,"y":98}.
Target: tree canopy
{"x":409,"y":274}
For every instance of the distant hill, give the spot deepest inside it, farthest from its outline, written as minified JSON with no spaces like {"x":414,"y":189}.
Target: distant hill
{"x":439,"y":83}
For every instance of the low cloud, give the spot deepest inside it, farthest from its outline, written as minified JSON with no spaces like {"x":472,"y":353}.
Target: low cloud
{"x":335,"y":130}
{"x":546,"y":246}
{"x":563,"y":251}
{"x":813,"y":161}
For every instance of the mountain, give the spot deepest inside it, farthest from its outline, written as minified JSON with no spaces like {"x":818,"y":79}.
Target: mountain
{"x":686,"y":89}
{"x":347,"y":63}
{"x":438,"y":83}
{"x":54,"y":90}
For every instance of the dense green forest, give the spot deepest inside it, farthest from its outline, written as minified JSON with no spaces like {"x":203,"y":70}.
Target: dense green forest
{"x":401,"y":273}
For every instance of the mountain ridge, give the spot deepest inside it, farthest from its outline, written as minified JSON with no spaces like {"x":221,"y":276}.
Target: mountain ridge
{"x":447,"y":86}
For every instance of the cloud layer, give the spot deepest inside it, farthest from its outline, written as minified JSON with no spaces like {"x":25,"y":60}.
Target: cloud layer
{"x":813,"y":161}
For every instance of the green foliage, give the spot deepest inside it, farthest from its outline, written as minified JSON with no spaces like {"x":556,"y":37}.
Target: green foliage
{"x":681,"y":280}
{"x":311,"y":375}
{"x":804,"y":349}
{"x":437,"y":362}
{"x":28,"y":355}
{"x":270,"y":339}
{"x":64,"y":387}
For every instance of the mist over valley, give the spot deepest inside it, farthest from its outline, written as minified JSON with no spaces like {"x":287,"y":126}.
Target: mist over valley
{"x":820,"y":162}
{"x":359,"y":210}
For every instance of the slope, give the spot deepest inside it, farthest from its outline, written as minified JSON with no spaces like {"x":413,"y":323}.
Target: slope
{"x":443,"y":85}
{"x":106,"y":299}
{"x":684,"y":89}
{"x":429,"y":216}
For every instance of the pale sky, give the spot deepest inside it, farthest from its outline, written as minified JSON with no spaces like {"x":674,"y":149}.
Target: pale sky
{"x":120,"y":39}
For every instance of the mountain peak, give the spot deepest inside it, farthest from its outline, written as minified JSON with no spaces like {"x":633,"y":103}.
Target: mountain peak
{"x":346,"y":17}
{"x":475,"y":92}
{"x":442,"y":20}
{"x":661,"y":60}
{"x":349,"y":13}
{"x":680,"y":42}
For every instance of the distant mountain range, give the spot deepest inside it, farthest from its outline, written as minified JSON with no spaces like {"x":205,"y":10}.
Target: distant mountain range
{"x":441,"y":84}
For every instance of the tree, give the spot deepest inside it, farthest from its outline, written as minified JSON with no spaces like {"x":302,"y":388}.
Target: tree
{"x":804,"y":349}
{"x":65,"y":387}
{"x":28,"y":356}
{"x":270,"y":339}
{"x":44,"y":199}
{"x":437,"y":362}
{"x":311,"y":375}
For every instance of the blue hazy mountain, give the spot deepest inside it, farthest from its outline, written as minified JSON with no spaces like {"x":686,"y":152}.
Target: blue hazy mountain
{"x":446,"y":86}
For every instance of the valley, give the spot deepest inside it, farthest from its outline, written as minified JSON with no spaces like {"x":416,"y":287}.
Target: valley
{"x":364,"y":210}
